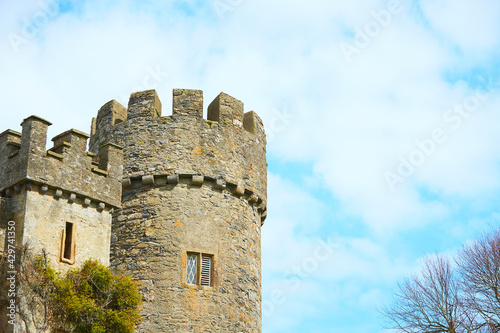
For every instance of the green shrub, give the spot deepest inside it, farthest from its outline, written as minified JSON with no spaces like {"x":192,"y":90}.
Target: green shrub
{"x":93,"y":299}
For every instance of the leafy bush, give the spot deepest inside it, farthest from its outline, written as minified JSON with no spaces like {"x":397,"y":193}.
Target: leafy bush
{"x":95,"y":300}
{"x":91,"y":299}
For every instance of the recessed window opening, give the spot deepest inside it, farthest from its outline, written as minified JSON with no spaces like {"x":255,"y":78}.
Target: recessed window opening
{"x":199,"y":269}
{"x":68,"y":243}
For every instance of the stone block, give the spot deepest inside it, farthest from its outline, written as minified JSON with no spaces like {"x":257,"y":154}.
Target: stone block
{"x":197,"y":180}
{"x":172,"y":179}
{"x":188,"y":102}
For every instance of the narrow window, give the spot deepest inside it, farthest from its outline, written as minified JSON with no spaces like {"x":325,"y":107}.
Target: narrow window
{"x":68,"y":243}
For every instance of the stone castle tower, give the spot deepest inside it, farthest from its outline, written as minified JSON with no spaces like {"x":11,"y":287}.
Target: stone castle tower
{"x":182,"y":213}
{"x":57,"y":200}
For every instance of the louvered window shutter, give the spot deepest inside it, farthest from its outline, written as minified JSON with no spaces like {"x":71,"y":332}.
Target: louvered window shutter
{"x":206,"y":270}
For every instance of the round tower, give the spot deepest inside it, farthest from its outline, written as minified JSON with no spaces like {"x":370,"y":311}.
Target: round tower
{"x":194,"y":201}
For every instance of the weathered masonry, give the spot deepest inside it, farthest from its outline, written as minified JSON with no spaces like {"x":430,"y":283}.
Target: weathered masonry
{"x":59,"y":199}
{"x":194,"y":199}
{"x":177,"y":202}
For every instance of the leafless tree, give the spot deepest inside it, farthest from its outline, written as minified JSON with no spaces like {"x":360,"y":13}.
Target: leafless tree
{"x":431,"y":301}
{"x":479,"y":268}
{"x":460,"y":298}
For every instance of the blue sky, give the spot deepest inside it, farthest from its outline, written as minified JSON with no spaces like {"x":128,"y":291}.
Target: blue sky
{"x":382,"y":121}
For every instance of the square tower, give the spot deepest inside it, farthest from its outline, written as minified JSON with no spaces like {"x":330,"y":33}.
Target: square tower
{"x":59,"y":200}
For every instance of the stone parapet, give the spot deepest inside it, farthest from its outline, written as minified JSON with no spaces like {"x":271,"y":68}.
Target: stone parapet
{"x":67,"y":165}
{"x":230,"y":144}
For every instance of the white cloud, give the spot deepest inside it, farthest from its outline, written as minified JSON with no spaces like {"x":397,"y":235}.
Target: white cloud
{"x":316,"y":276}
{"x":472,"y":25}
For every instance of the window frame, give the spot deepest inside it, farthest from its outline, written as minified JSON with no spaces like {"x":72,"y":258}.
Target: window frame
{"x":72,"y":244}
{"x":199,"y":254}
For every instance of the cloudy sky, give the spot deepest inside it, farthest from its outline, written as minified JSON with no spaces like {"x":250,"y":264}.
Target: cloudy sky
{"x":382,"y":121}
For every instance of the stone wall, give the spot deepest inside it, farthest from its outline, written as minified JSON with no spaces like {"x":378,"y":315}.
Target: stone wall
{"x":45,"y":219}
{"x":159,"y":225}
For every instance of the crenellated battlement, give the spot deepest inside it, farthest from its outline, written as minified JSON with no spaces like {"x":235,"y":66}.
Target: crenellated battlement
{"x":11,"y":141}
{"x":229,"y":144}
{"x":225,"y":110}
{"x":67,"y":166}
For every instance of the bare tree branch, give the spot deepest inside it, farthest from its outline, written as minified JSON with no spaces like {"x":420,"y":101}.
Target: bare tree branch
{"x":479,"y":267}
{"x":452,"y":299}
{"x":430,"y":302}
